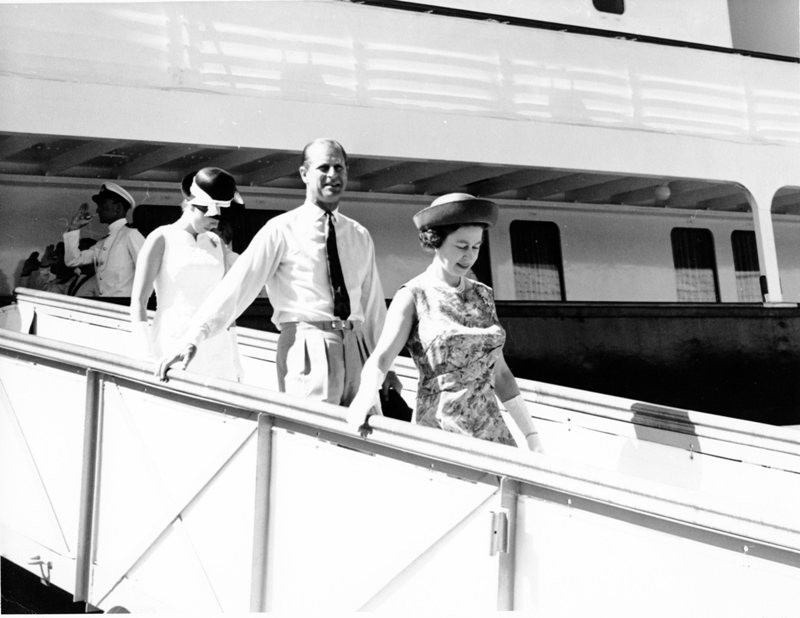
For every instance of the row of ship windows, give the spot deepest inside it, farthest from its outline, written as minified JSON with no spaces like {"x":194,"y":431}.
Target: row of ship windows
{"x":539,"y":269}
{"x":536,"y":256}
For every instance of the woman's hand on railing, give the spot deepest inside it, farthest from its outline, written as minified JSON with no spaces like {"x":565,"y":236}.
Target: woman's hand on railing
{"x":367,"y":401}
{"x":364,"y":405}
{"x":534,"y":443}
{"x":184,"y":357}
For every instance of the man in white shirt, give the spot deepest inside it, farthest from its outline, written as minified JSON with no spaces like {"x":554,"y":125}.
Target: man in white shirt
{"x":320,"y":349}
{"x":114,"y":256}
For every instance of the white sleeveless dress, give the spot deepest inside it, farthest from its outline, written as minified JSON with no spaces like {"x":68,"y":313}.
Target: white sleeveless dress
{"x":190,"y":269}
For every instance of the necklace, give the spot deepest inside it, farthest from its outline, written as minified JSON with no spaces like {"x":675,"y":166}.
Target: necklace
{"x":440,"y":281}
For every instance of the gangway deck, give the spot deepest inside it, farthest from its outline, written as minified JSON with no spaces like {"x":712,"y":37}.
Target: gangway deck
{"x":205,"y":495}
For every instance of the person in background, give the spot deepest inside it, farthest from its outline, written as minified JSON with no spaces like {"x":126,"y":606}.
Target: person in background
{"x":48,"y":273}
{"x":225,"y":232}
{"x":449,"y":323}
{"x":183,"y":261}
{"x":51,"y":274}
{"x":319,"y":269}
{"x":114,"y":256}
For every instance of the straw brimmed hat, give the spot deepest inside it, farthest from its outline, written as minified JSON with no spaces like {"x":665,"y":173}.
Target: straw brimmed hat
{"x":457,"y":209}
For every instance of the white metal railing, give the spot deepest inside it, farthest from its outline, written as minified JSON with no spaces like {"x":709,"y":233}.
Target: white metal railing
{"x":693,"y":431}
{"x":708,"y":521}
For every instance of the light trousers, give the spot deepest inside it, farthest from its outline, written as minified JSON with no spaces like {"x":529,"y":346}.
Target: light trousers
{"x":320,"y":363}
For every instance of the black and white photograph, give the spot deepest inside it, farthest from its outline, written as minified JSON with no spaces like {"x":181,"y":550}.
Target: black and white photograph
{"x":437,"y":308}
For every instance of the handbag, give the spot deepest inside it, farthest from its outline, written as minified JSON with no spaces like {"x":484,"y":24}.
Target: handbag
{"x":394,"y":406}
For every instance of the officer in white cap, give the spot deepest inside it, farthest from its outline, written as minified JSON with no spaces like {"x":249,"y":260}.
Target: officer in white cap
{"x":114,"y":256}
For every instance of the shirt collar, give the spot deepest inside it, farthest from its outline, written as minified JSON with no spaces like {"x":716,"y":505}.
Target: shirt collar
{"x":115,"y":226}
{"x":314,"y":213}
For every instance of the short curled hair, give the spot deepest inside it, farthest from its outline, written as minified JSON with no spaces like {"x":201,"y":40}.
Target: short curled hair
{"x":433,"y":237}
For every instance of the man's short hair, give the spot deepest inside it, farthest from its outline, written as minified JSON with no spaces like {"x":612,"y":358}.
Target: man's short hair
{"x":323,"y":140}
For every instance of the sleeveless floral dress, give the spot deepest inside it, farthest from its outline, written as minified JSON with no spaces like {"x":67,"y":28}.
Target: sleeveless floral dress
{"x":455,"y":344}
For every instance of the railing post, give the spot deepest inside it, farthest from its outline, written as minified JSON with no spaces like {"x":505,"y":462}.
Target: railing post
{"x":258,"y":573}
{"x":507,"y":559}
{"x":89,"y":477}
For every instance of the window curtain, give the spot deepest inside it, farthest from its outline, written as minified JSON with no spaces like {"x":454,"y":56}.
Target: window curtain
{"x":536,"y":253}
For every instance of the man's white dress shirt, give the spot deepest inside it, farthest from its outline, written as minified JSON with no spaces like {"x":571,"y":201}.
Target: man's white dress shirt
{"x":288,"y":255}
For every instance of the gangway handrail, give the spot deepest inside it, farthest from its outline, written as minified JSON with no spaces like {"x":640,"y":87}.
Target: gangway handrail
{"x":62,"y":301}
{"x":678,"y":420}
{"x":109,"y":310}
{"x":482,"y":461}
{"x":689,"y":425}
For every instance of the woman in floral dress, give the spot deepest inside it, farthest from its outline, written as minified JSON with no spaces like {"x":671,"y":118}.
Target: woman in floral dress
{"x":449,"y":323}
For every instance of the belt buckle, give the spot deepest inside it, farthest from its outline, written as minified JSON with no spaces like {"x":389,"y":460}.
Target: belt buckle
{"x":339,"y":324}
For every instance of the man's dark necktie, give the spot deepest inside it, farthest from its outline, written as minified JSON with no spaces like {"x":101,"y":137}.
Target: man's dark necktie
{"x":341,"y":299}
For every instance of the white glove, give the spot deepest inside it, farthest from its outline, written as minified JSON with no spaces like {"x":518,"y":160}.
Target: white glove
{"x":143,"y":344}
{"x":366,"y":401}
{"x":518,"y":410}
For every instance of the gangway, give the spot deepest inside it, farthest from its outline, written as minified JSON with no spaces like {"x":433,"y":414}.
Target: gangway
{"x":97,"y":324}
{"x":205,"y":495}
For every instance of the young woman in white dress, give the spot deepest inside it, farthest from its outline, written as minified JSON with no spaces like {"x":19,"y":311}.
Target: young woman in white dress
{"x":184,"y":261}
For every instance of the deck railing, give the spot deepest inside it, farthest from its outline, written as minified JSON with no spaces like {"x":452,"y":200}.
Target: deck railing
{"x":66,"y":318}
{"x":170,"y":473}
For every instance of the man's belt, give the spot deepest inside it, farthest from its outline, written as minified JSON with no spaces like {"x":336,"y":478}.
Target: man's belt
{"x":328,"y":324}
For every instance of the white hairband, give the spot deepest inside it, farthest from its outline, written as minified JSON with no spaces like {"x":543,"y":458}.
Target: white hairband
{"x":201,"y":198}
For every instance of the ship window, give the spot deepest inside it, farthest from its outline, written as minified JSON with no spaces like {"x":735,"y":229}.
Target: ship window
{"x":245,"y":223}
{"x":536,"y":253}
{"x":482,"y":269}
{"x":745,"y":262}
{"x":610,"y":6}
{"x":147,"y":217}
{"x":695,"y":265}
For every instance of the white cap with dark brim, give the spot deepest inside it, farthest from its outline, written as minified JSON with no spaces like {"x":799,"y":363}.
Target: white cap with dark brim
{"x":457,"y":209}
{"x":112,"y":187}
{"x":211,"y":187}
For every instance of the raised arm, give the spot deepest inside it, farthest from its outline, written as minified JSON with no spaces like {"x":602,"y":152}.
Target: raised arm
{"x":73,"y":256}
{"x":396,"y":330}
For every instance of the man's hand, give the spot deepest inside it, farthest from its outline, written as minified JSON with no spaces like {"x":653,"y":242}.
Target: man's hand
{"x":31,"y":264}
{"x":80,"y":219}
{"x":391,"y":381}
{"x":185,"y":357}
